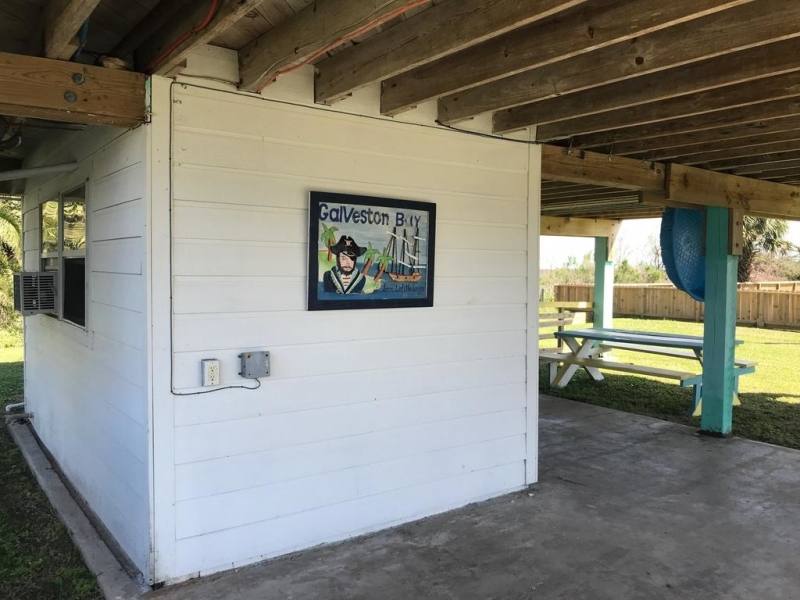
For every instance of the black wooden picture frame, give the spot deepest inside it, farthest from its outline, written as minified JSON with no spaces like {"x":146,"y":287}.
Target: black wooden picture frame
{"x":387,"y":244}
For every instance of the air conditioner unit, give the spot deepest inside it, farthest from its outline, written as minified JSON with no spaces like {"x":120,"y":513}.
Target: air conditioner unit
{"x":35,"y":293}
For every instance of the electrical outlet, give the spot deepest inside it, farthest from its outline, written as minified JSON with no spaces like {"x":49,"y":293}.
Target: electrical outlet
{"x":211,"y":372}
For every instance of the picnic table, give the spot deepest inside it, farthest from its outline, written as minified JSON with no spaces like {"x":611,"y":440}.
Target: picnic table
{"x":586,"y":348}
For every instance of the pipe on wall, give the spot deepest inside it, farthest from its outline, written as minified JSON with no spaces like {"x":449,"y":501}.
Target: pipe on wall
{"x":36,"y":171}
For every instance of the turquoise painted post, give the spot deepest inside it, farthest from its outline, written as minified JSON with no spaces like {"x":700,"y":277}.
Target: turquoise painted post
{"x":720,"y":326}
{"x":603,"y":284}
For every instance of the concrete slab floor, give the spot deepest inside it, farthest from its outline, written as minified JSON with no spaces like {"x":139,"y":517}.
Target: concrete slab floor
{"x":628,"y":507}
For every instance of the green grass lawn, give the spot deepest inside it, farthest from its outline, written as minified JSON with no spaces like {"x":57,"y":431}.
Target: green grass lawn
{"x":770,"y":410}
{"x":37,"y":558}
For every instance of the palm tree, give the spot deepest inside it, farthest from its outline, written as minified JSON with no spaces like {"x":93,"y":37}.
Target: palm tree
{"x":10,"y":260}
{"x":761,"y":236}
{"x":383,"y":260}
{"x":369,"y":257}
{"x":328,"y":237}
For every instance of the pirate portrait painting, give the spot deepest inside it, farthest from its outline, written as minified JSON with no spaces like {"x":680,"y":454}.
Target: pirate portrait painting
{"x":344,"y":277}
{"x":367,"y":252}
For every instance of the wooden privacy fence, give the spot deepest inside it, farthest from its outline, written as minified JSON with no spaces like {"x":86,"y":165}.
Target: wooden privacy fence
{"x":762,"y":304}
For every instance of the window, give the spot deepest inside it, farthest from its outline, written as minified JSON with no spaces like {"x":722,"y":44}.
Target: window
{"x":63,"y":234}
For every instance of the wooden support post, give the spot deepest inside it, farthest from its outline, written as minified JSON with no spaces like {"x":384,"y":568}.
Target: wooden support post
{"x":603,"y":284}
{"x":720,"y":326}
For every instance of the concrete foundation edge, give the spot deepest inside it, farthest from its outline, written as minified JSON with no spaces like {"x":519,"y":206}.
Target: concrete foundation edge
{"x":112,"y":579}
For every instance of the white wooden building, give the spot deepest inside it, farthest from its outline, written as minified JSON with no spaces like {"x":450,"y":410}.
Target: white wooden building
{"x":369,"y":418}
{"x":182,"y":235}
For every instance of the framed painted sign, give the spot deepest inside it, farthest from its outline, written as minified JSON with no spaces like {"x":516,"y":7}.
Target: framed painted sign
{"x":369,"y":252}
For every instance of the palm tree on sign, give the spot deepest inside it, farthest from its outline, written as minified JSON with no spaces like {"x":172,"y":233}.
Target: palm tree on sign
{"x":369,"y":257}
{"x":328,"y":237}
{"x":762,"y":236}
{"x":383,"y":260}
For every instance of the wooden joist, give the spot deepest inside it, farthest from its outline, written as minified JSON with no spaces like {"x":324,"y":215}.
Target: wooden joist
{"x":577,"y":227}
{"x":442,"y":29}
{"x":665,"y":185}
{"x":740,"y":157}
{"x":706,"y":150}
{"x":592,"y":192}
{"x":746,"y":26}
{"x":717,"y":137}
{"x":63,"y":19}
{"x":305,"y":37}
{"x":762,"y":112}
{"x":768,"y":166}
{"x":160,"y":53}
{"x":555,"y":39}
{"x":734,"y":96}
{"x":745,"y":66}
{"x":707,"y":188}
{"x":600,"y":169}
{"x":62,"y":91}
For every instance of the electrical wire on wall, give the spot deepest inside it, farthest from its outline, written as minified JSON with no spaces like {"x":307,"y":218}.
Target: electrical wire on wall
{"x":438,"y":127}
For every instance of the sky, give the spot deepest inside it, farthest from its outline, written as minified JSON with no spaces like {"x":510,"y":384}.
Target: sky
{"x":633,"y":243}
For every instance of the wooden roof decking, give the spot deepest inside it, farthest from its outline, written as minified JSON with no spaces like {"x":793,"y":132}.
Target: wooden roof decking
{"x":713,"y":84}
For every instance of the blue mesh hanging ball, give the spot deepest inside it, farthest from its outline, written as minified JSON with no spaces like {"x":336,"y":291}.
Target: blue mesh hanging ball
{"x":683,"y":249}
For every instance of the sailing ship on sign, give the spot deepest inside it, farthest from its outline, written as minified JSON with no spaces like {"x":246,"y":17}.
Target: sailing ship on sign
{"x":406,"y":265}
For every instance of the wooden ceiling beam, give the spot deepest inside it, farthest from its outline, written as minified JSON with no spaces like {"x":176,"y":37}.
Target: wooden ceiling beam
{"x":320,"y":26}
{"x":708,"y":188}
{"x":752,"y":160}
{"x":44,"y":88}
{"x":793,"y":179}
{"x":166,"y":49}
{"x":588,"y":28}
{"x":728,"y":69}
{"x":444,"y":28}
{"x":593,"y":192}
{"x":725,"y":98}
{"x":724,"y":156}
{"x":722,"y":32}
{"x":718,"y":137}
{"x":768,"y":169}
{"x":709,"y":149}
{"x":754,"y":113}
{"x":593,"y":168}
{"x":63,"y":19}
{"x":577,"y":227}
{"x":667,"y":185}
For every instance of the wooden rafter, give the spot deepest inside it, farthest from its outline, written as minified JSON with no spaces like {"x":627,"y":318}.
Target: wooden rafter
{"x":305,"y":37}
{"x":600,"y":169}
{"x":755,"y":113}
{"x":718,"y":136}
{"x":62,"y":91}
{"x":167,"y":48}
{"x":667,"y":184}
{"x":726,"y":31}
{"x":754,"y":160}
{"x":443,"y":29}
{"x":707,"y":150}
{"x":707,"y":188}
{"x":735,"y":96}
{"x":538,"y":44}
{"x":577,"y":227}
{"x":728,"y":69}
{"x":63,"y":19}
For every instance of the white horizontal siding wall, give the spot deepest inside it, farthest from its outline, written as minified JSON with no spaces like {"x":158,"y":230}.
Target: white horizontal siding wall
{"x":87,"y":387}
{"x":370,"y":417}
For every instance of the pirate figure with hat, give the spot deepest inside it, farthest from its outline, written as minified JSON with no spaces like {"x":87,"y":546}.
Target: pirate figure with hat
{"x":344,"y":277}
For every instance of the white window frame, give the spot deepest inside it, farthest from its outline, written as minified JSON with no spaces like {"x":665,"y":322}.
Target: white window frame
{"x":60,"y":253}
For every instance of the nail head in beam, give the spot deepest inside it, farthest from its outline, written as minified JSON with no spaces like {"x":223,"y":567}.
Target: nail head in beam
{"x":44,"y":88}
